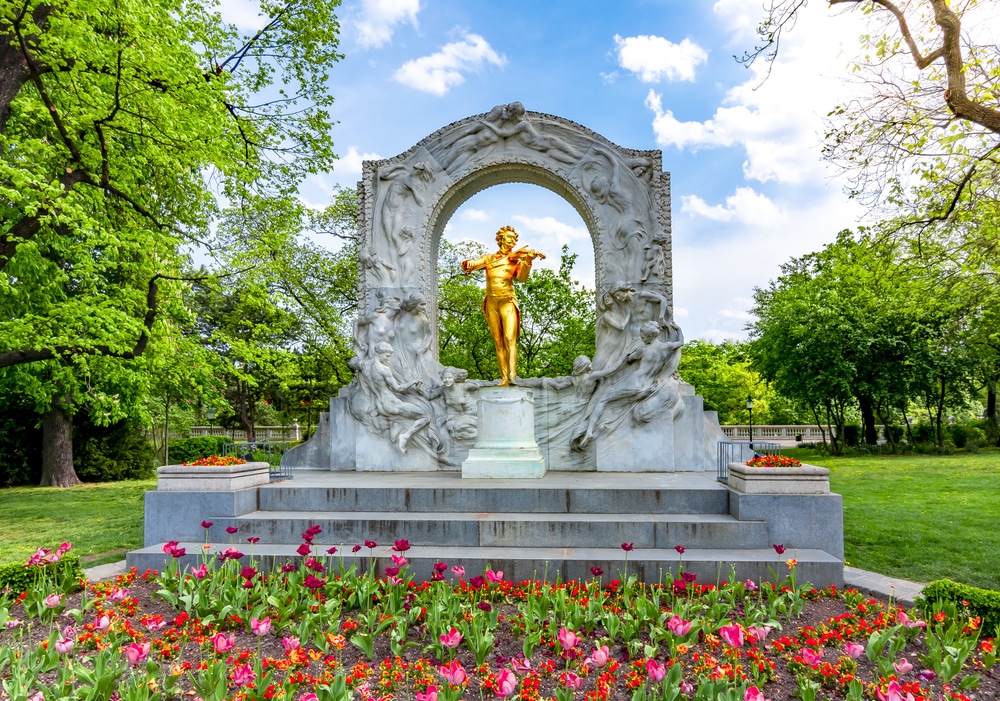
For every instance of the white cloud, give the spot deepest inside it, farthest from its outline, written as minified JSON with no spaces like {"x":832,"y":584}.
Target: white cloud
{"x":552,"y":230}
{"x":351,"y":163}
{"x":776,"y":119}
{"x":472,"y":214}
{"x":377,"y":19}
{"x":440,"y":72}
{"x":655,"y":58}
{"x":745,"y":206}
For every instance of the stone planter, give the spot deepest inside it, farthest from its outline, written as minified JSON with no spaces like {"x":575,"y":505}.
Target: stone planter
{"x":808,"y":479}
{"x":214,"y":478}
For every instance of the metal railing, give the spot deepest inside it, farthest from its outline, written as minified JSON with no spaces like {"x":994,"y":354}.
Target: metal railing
{"x":741,"y":451}
{"x":263,"y":451}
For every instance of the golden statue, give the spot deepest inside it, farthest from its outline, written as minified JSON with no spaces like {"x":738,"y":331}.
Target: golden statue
{"x":503,"y":316}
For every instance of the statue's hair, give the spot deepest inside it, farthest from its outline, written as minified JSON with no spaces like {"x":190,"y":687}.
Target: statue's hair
{"x":382,"y":347}
{"x":505,"y":230}
{"x":581,"y":363}
{"x":650,"y":327}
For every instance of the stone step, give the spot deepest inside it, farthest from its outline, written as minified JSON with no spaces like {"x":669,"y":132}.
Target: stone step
{"x":527,"y":563}
{"x":454,"y":528}
{"x":440,"y":492}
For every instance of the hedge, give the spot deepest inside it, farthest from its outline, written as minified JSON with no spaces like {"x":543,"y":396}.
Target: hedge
{"x":981,"y":602}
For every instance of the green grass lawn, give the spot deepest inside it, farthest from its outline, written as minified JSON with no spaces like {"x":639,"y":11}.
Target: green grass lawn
{"x":96,"y":518}
{"x":920,"y":517}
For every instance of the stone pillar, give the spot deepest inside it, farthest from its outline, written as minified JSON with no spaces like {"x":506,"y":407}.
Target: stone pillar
{"x":505,"y":447}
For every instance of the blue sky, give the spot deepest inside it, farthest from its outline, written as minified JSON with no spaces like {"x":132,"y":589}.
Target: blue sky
{"x":749,"y":185}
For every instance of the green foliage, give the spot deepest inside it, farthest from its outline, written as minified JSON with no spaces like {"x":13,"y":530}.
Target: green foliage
{"x":20,"y":443}
{"x":17,"y":578}
{"x":979,"y":602}
{"x":111,"y":453}
{"x":188,"y":449}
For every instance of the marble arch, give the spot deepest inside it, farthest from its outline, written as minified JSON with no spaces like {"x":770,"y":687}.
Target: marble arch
{"x":625,"y":411}
{"x":622,"y":195}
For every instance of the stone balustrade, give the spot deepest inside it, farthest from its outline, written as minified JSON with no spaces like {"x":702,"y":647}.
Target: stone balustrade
{"x":293,"y":432}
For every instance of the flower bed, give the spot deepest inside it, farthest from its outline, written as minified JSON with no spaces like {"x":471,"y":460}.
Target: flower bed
{"x":213,"y":478}
{"x":774,"y":461}
{"x":329,"y":628}
{"x":216,"y":461}
{"x":804,"y":479}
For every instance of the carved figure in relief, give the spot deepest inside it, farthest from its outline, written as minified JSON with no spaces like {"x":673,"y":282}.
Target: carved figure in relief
{"x":403,"y":198}
{"x":654,"y":260}
{"x":503,"y":316}
{"x":518,"y":127}
{"x":639,"y":387}
{"x":415,"y":335}
{"x":459,"y":423}
{"x":387,"y":401}
{"x":628,"y":202}
{"x":474,"y":139}
{"x":615,"y":312}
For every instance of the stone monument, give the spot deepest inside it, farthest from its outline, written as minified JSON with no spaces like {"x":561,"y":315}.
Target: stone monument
{"x":624,"y":410}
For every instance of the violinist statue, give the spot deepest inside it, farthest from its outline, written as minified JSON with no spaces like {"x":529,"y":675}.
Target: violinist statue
{"x":503,"y":316}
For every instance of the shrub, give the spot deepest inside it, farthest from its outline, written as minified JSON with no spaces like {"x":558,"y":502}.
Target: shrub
{"x":190,"y":449}
{"x":981,"y":602}
{"x":990,"y":429}
{"x":111,"y":453}
{"x":17,"y":578}
{"x":20,"y":444}
{"x":896,"y":432}
{"x":923,"y":433}
{"x":852,"y":435}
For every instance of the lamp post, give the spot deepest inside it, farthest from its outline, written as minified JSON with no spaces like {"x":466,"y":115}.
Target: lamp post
{"x":210,"y":414}
{"x":750,"y":409}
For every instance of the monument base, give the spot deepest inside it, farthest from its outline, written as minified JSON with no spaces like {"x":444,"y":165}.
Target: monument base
{"x":505,"y":445}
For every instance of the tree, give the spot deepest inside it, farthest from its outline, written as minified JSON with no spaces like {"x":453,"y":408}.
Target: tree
{"x":929,"y":106}
{"x":120,"y":125}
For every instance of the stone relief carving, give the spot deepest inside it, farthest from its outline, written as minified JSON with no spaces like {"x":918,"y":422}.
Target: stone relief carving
{"x":401,"y":396}
{"x":638,"y":388}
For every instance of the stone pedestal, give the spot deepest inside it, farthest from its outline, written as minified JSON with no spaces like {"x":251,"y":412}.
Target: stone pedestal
{"x":212,"y":478}
{"x":505,"y":447}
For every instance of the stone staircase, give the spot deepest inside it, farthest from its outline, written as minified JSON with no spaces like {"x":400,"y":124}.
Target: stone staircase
{"x":561,"y":525}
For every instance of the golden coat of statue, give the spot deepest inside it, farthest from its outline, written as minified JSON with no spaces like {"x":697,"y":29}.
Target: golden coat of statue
{"x":503,"y":316}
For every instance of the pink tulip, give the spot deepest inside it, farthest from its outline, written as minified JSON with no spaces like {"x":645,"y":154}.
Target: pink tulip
{"x":37,"y":696}
{"x":571,"y":681}
{"x":903,"y":666}
{"x":458,"y":571}
{"x":261,"y":627}
{"x":53,"y":600}
{"x":520,"y":665}
{"x":310,"y":696}
{"x":686,"y":688}
{"x":452,"y":638}
{"x":732,"y":635}
{"x":568,"y":639}
{"x":244,"y":675}
{"x":894,"y":693}
{"x":759,"y":633}
{"x":64,"y":646}
{"x":103,"y":623}
{"x":136,"y":654}
{"x":750,"y":585}
{"x":656,"y":670}
{"x":506,"y":683}
{"x":453,"y":672}
{"x":430,"y":695}
{"x":753,"y":694}
{"x":119,"y":595}
{"x":678,"y":626}
{"x":199,"y":573}
{"x":811,"y":657}
{"x":854,"y":650}
{"x":599,"y":657}
{"x":398,"y":560}
{"x":494,"y":577}
{"x":901,"y":617}
{"x":289,"y":643}
{"x":222,"y":642}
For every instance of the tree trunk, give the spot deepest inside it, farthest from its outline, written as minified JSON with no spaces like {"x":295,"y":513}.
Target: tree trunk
{"x":885,"y":427}
{"x":870,"y":433}
{"x":991,"y":399}
{"x":57,"y":450}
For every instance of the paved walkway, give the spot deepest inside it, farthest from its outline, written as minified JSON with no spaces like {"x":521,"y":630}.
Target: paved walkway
{"x":871,"y":583}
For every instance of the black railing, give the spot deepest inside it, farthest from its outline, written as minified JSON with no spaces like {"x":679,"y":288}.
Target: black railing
{"x":263,"y":451}
{"x":742,"y":451}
